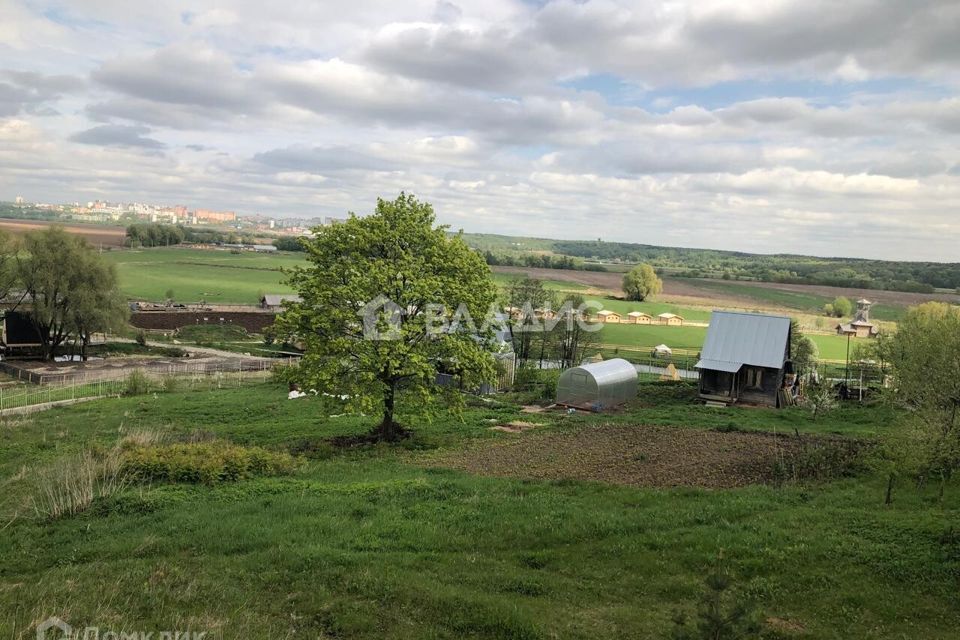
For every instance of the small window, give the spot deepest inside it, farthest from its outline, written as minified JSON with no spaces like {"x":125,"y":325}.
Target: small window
{"x":754,"y":378}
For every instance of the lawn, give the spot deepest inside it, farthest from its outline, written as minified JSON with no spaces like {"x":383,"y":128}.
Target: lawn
{"x":384,"y":543}
{"x":196,"y":274}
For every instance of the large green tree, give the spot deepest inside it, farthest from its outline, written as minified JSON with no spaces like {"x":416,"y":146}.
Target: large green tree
{"x":925,"y":358}
{"x":69,"y":291}
{"x":641,"y":283}
{"x":368,"y":316}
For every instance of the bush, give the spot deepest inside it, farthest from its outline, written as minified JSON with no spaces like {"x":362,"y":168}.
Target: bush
{"x":141,"y":338}
{"x":204,"y":462}
{"x":137,"y":383}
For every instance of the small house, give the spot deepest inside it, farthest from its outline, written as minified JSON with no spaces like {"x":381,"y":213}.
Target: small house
{"x":274,"y":301}
{"x":860,"y":326}
{"x":598,"y":385}
{"x":605,"y":315}
{"x":670,"y":319}
{"x":744,"y":358}
{"x":639,"y":317}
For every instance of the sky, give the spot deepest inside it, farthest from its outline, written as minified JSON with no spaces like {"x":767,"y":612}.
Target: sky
{"x":817,"y":127}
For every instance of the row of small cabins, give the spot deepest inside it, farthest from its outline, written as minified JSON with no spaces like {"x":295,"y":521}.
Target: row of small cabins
{"x":609,"y":317}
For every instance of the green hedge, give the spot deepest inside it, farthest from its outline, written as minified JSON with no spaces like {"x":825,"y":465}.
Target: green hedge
{"x":204,"y":462}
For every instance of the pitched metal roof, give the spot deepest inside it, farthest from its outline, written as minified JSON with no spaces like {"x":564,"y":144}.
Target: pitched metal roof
{"x":276,"y":299}
{"x":736,"y":339}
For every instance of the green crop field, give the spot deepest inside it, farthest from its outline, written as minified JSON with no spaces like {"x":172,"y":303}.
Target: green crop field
{"x":506,"y":279}
{"x":807,"y":302}
{"x":556,"y":534}
{"x":196,"y":274}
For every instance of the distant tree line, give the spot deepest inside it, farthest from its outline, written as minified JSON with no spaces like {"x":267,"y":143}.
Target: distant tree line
{"x":288,"y":243}
{"x":544,"y":261}
{"x":919,"y":277}
{"x":153,"y":234}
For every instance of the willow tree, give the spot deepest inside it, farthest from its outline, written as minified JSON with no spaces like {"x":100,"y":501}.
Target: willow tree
{"x":367,"y":316}
{"x":641,"y":283}
{"x":68,"y":290}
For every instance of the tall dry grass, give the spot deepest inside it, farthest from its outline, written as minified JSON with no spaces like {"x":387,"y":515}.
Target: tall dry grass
{"x":70,"y":486}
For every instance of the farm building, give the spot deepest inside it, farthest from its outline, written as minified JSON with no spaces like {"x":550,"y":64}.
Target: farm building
{"x":860,"y":326}
{"x":639,"y":317}
{"x":598,"y":385}
{"x":19,"y":332}
{"x":744,"y":358}
{"x":671,"y":319}
{"x":606,"y":315}
{"x":274,"y":301}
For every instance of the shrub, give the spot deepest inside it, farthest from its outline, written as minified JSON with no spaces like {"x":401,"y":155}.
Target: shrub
{"x":141,"y":338}
{"x":204,"y":462}
{"x":137,"y":383}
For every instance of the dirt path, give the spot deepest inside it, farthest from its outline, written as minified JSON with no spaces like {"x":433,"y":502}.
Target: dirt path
{"x":644,"y":456}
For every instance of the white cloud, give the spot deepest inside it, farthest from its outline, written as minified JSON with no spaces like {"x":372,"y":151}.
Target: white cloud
{"x":572,"y":119}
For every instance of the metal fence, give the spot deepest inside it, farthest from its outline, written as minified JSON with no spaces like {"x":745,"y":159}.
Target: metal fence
{"x":155,"y":369}
{"x":130,"y":381}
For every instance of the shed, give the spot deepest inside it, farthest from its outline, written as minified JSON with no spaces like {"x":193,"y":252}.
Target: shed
{"x":598,"y":385}
{"x":276,"y":300}
{"x":744,"y":358}
{"x":671,"y":319}
{"x":606,"y":315}
{"x":639,"y":317}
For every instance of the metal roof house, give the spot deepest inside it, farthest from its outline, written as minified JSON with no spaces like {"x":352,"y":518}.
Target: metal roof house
{"x":598,"y":385}
{"x":744,"y":358}
{"x":276,"y":300}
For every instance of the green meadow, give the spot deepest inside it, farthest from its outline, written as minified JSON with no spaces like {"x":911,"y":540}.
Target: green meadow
{"x":197,"y":274}
{"x":396,"y":542}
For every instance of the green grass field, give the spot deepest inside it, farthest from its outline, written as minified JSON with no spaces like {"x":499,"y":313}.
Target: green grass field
{"x":645,"y":337}
{"x":807,"y":302}
{"x":196,"y":274}
{"x":382,"y":543}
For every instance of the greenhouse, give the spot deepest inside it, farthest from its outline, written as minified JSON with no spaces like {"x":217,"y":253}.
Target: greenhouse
{"x":598,"y":385}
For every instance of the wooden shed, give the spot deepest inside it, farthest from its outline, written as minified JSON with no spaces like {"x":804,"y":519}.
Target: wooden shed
{"x":606,"y":315}
{"x":670,"y":319}
{"x":744,"y":359}
{"x":639,"y":317}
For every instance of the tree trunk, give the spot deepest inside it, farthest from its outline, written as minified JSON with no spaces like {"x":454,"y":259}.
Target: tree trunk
{"x":388,"y":428}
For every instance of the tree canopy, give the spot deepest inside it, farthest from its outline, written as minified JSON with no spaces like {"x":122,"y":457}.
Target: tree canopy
{"x":925,"y":355}
{"x":641,"y":283}
{"x":369,"y":316}
{"x":68,"y":290}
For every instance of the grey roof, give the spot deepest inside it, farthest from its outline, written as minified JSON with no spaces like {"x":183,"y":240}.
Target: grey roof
{"x":276,"y":299}
{"x":736,"y":339}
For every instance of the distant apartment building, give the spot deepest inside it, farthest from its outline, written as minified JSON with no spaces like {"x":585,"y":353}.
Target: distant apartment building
{"x":206,"y":215}
{"x":19,"y":200}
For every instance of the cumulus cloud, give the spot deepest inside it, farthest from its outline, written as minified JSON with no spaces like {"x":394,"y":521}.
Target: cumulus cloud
{"x":662,"y":122}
